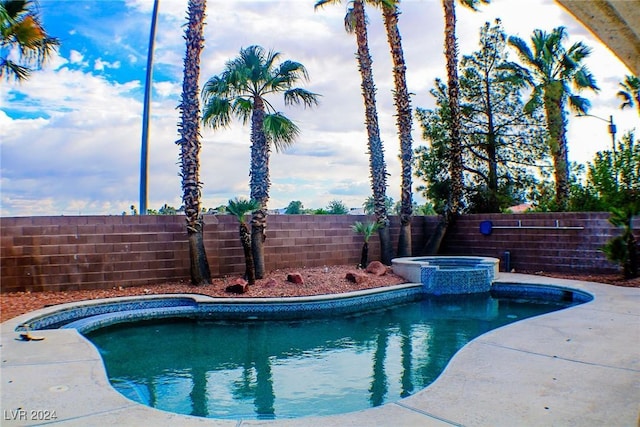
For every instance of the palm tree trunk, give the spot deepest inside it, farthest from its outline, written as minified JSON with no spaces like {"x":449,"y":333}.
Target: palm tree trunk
{"x":455,"y":162}
{"x":199,"y":266}
{"x":380,"y":385}
{"x":259,"y":183}
{"x":386,"y":248}
{"x":433,"y":244}
{"x":190,"y":144}
{"x":403,"y":122}
{"x":250,"y":270}
{"x":258,"y":236}
{"x":451,"y":53}
{"x":377,"y":166}
{"x":556,"y":124}
{"x":406,"y":347}
{"x":364,"y":255}
{"x":199,"y":395}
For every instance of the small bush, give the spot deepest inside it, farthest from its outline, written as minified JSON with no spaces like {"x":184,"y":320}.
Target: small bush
{"x":623,"y":249}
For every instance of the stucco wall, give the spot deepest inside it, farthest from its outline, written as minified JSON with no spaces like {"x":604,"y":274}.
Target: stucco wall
{"x":68,"y":252}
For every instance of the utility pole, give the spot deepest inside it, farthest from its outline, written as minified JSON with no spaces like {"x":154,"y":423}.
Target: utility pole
{"x":612,"y":132}
{"x":144,"y":152}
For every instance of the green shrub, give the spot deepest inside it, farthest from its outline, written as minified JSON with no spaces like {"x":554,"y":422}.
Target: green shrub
{"x":623,"y":249}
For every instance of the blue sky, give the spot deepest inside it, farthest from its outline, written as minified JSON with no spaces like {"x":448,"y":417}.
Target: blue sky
{"x":71,"y":135}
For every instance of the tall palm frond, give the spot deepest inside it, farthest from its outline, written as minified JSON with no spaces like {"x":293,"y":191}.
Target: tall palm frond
{"x":240,"y":208}
{"x":630,"y":93}
{"x":241,"y":91}
{"x":282,"y":132}
{"x":554,"y":73}
{"x":21,"y":30}
{"x":366,"y":229}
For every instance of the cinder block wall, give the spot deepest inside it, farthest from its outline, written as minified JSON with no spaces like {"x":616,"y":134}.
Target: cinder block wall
{"x":92,"y":252}
{"x":538,"y":245}
{"x":292,"y":241}
{"x":88,"y":252}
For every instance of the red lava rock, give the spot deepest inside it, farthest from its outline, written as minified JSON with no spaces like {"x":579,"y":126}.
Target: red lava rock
{"x":376,"y":268}
{"x":356,"y":277}
{"x":239,"y":287}
{"x":295,"y":278}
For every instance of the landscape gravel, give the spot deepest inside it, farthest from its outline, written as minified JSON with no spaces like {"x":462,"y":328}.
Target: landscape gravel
{"x":317,"y":281}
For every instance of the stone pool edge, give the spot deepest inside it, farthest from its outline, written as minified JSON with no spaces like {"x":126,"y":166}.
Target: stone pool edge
{"x":582,"y":369}
{"x":92,"y":314}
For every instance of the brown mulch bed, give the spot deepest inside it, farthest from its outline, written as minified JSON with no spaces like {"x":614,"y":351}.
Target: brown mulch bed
{"x":317,"y":281}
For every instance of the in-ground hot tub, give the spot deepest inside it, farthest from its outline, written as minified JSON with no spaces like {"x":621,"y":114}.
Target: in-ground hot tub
{"x":449,"y":274}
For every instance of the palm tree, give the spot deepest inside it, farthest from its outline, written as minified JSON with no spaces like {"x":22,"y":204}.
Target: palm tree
{"x":402,"y":101}
{"x":240,"y":91}
{"x":21,"y":29}
{"x":189,"y":142}
{"x":451,"y":54}
{"x":367,"y":230}
{"x":355,"y":22}
{"x":239,"y":208}
{"x":369,"y":205}
{"x":630,"y":93}
{"x":551,"y":69}
{"x":456,"y":168}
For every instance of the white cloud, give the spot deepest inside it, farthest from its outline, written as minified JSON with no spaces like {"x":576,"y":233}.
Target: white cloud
{"x":75,"y":57}
{"x":100,"y":65}
{"x":86,"y":150}
{"x":166,"y":89}
{"x":83,"y":132}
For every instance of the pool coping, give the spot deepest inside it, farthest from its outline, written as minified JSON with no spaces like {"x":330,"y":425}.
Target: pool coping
{"x":582,"y":368}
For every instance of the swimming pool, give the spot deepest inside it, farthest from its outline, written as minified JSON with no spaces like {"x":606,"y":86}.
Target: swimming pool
{"x":321,"y":365}
{"x":569,"y":367}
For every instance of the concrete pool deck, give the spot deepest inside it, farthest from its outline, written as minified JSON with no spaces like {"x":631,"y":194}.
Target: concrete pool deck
{"x":579,"y":366}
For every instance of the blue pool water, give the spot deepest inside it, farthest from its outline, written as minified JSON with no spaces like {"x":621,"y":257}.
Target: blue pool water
{"x":267,"y":369}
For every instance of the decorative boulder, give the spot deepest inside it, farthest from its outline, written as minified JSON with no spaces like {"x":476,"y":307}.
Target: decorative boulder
{"x":295,"y":278}
{"x":236,"y":289}
{"x":355,"y":277}
{"x":376,"y":268}
{"x":240,"y":286}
